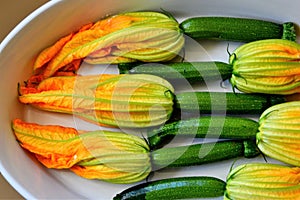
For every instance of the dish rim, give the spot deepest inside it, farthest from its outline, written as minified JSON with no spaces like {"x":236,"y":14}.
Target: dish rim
{"x":22,"y":24}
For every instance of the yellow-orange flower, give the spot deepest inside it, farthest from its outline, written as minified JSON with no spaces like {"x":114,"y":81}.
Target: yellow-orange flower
{"x":110,"y":156}
{"x":112,"y":100}
{"x":262,"y":181}
{"x":126,"y":37}
{"x":267,"y":66}
{"x":279,"y":132}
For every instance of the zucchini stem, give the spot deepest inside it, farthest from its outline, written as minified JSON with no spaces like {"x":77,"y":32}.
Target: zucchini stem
{"x":289,"y":32}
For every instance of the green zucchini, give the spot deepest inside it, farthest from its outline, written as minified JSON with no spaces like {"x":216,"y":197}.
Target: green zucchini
{"x":175,"y":188}
{"x":223,"y":127}
{"x":236,"y":29}
{"x":191,"y":71}
{"x":198,"y":154}
{"x":224,"y":103}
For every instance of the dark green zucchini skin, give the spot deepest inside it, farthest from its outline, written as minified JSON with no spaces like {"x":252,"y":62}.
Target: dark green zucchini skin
{"x":236,"y":29}
{"x":225,"y":103}
{"x":223,"y":127}
{"x":175,"y":188}
{"x":198,"y":154}
{"x":193,"y":72}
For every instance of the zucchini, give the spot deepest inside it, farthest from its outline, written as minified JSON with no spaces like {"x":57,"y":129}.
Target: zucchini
{"x":236,"y":29}
{"x":175,"y":188}
{"x":223,"y":127}
{"x":191,"y":71}
{"x":219,"y":102}
{"x":198,"y":154}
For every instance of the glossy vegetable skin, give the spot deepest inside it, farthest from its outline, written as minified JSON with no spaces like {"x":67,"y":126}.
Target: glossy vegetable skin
{"x":225,"y":102}
{"x":193,"y":72}
{"x":223,"y":127}
{"x":254,"y":180}
{"x":237,"y":29}
{"x":175,"y":188}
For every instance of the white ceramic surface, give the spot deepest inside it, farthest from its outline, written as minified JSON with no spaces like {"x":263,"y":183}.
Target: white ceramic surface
{"x":56,"y":19}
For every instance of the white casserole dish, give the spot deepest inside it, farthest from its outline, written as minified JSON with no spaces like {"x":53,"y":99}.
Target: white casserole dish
{"x":56,"y":19}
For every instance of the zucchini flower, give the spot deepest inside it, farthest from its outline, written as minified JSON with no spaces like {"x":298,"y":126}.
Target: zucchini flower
{"x":267,"y":66}
{"x":99,"y":154}
{"x":116,"y":156}
{"x":126,"y":37}
{"x":263,"y":181}
{"x":279,"y":132}
{"x":112,"y":100}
